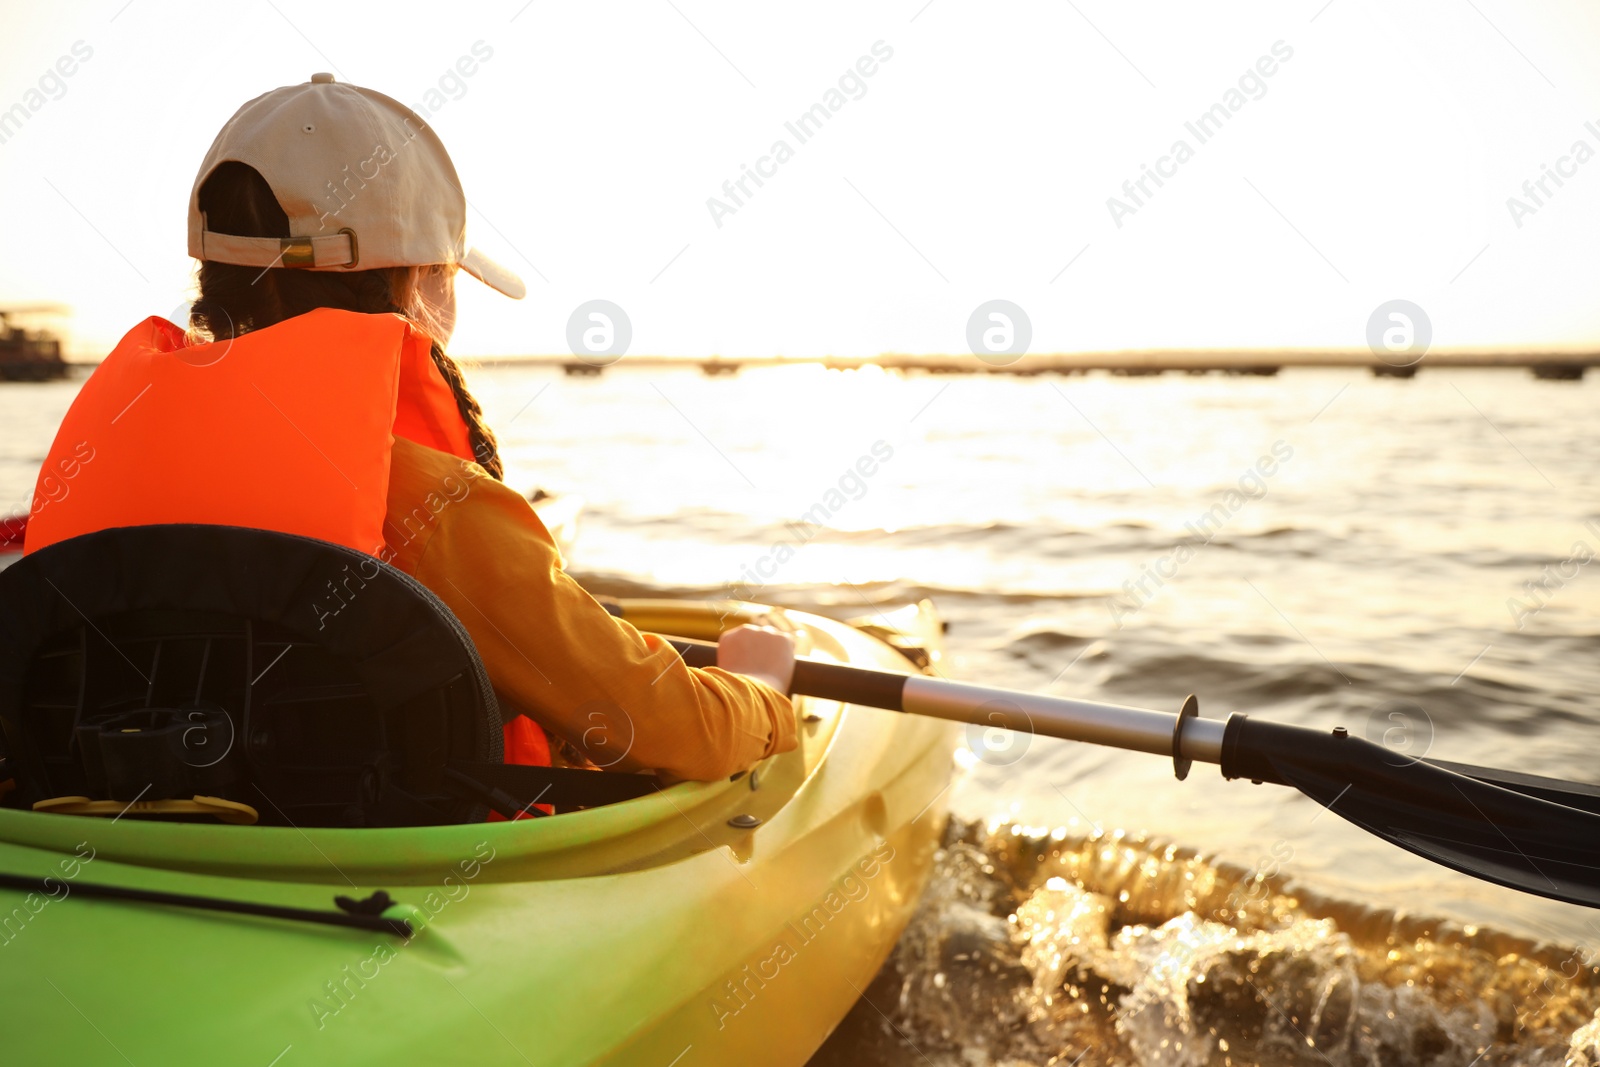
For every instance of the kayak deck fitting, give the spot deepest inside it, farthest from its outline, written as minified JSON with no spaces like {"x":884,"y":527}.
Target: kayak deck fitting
{"x":734,"y":921}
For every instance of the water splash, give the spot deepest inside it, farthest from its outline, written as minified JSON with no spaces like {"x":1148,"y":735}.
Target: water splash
{"x":1033,"y":946}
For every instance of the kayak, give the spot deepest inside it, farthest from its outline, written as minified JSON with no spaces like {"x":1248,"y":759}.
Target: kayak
{"x":730,"y":922}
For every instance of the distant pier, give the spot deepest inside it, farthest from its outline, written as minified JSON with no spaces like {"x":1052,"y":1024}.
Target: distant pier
{"x":1551,"y":366}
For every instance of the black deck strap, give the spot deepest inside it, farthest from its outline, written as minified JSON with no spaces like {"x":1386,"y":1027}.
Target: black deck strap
{"x":378,"y":924}
{"x":497,"y":800}
{"x":565,"y":787}
{"x":376,"y":904}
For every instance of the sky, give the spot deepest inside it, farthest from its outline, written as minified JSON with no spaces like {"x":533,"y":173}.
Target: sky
{"x":984,"y":158}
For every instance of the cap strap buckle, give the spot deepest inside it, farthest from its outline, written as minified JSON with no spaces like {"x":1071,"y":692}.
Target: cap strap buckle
{"x":355,"y":249}
{"x":296,"y":252}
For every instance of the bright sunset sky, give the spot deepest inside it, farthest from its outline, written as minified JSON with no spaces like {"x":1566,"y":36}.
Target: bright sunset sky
{"x":976,"y":162}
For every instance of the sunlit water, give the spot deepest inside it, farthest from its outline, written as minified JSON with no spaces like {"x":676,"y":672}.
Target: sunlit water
{"x":1321,"y":548}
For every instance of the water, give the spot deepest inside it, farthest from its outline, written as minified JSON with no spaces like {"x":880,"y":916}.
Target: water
{"x":1036,"y":947}
{"x":1369,"y":569}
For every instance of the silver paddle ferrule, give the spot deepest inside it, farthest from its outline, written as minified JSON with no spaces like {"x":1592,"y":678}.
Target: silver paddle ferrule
{"x":1135,"y":729}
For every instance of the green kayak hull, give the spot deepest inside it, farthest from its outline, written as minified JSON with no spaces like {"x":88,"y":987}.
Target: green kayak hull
{"x":654,"y":931}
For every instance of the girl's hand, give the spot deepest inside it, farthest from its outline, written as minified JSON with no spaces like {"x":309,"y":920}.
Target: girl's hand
{"x":758,"y":652}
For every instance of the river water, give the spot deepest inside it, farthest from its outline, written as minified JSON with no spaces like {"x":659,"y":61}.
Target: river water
{"x":1407,"y":558}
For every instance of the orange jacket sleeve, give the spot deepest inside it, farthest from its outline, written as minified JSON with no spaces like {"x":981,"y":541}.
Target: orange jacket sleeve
{"x":623,"y":698}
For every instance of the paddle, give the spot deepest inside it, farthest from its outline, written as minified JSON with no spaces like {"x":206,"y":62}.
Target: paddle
{"x":1539,"y":835}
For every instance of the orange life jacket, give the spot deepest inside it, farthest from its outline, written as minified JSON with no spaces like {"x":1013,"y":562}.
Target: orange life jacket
{"x":287,"y":428}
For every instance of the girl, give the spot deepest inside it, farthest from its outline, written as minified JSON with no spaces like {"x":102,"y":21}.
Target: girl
{"x":328,"y":221}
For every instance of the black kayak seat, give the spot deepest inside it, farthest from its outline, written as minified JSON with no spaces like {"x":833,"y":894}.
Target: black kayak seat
{"x":311,"y":682}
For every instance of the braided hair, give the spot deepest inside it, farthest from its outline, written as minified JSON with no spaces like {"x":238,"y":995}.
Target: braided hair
{"x":233,"y":299}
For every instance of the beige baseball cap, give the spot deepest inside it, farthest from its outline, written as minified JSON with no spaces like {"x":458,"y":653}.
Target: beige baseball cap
{"x":365,"y":182}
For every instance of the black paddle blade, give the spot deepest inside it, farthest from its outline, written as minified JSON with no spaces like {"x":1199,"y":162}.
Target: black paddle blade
{"x":1580,"y":795}
{"x":1510,"y":836}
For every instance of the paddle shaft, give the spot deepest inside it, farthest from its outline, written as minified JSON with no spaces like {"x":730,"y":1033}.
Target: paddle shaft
{"x":1535,"y":834}
{"x":1182,"y":736}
